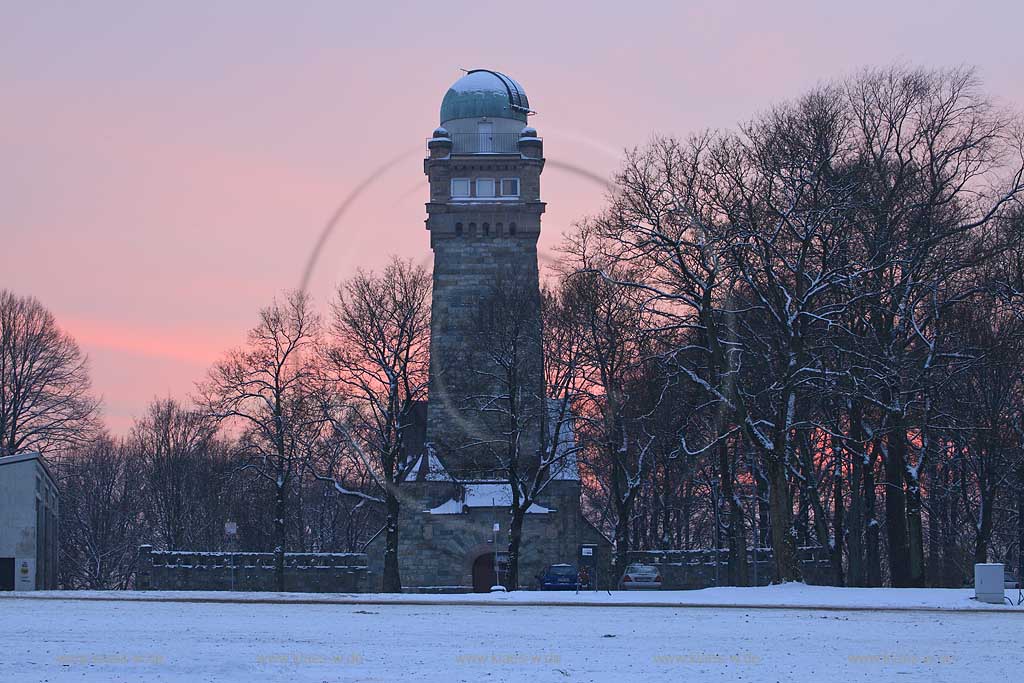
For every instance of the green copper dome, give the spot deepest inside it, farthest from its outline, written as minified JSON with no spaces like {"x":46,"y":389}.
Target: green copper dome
{"x":485,"y":93}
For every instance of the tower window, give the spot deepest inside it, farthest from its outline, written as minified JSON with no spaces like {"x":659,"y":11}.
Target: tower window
{"x":511,"y":228}
{"x":460,"y":187}
{"x":458,"y":228}
{"x":497,"y":228}
{"x":510,"y":187}
{"x":486,"y":227}
{"x":485,"y":187}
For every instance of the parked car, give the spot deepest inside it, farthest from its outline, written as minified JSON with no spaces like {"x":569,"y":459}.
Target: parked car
{"x":640,"y":576}
{"x":558,"y":577}
{"x":1009,"y":580}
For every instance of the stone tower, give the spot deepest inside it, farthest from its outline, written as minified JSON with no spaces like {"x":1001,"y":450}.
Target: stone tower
{"x":484,"y":167}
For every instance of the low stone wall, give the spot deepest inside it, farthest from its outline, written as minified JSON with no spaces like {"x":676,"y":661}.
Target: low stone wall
{"x":199,"y":571}
{"x":693,"y":569}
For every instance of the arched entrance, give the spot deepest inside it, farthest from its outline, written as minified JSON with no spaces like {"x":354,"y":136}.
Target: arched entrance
{"x":483,"y":573}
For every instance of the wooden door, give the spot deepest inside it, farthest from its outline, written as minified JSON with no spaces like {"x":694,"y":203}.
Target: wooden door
{"x":483,"y":573}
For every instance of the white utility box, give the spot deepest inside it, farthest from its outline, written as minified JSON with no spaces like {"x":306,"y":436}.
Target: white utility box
{"x":988,"y":583}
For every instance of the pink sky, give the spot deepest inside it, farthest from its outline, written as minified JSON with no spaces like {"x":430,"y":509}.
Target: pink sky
{"x":167,"y":166}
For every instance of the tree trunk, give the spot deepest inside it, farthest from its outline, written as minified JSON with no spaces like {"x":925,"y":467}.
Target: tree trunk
{"x":872,"y":541}
{"x":855,"y":517}
{"x":896,"y":509}
{"x":783,"y":542}
{"x":800,"y":524}
{"x":1020,"y":523}
{"x":280,"y":506}
{"x":812,"y":498}
{"x":837,"y":517}
{"x":952,"y":574}
{"x":392,"y":579}
{"x":855,"y":521}
{"x":915,"y":536}
{"x":936,"y":525}
{"x":666,"y":510}
{"x":621,"y":537}
{"x":764,"y":514}
{"x":515,"y":541}
{"x":623,"y":509}
{"x":736,"y":540}
{"x":687,"y":511}
{"x":983,"y":532}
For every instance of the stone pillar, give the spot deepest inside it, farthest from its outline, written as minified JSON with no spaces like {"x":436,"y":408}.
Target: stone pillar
{"x":144,"y":569}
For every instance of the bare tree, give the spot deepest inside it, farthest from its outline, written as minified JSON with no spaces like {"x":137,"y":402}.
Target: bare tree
{"x":939,"y":164}
{"x":182,"y":463}
{"x":269,"y":390}
{"x":614,"y":330}
{"x":378,"y":363}
{"x":526,"y":384}
{"x":102,"y":492}
{"x":45,"y":402}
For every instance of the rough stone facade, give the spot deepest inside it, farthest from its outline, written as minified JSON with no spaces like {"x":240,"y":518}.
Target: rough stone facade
{"x":478,"y":246}
{"x":437,"y":551}
{"x":304,"y":572}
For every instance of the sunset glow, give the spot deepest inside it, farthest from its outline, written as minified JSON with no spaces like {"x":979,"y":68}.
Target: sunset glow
{"x":169,"y":167}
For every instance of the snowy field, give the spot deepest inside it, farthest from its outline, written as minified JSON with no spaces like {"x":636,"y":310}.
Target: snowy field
{"x":926,"y":635}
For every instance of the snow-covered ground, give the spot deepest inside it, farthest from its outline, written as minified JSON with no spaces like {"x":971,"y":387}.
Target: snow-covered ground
{"x":510,"y":638}
{"x":795,"y":595}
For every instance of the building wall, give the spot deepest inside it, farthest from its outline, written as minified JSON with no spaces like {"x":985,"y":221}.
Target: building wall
{"x":29,"y":509}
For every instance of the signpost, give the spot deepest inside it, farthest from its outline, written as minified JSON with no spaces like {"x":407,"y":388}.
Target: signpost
{"x":497,"y":587}
{"x":231,"y":532}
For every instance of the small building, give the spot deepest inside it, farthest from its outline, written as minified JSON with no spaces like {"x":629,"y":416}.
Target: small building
{"x":29,"y":508}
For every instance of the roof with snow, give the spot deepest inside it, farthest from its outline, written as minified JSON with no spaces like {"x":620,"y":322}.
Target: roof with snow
{"x":428,"y":467}
{"x":483,"y":495}
{"x":482,"y":92}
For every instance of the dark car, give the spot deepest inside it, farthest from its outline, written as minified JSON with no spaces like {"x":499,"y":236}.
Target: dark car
{"x":558,"y":577}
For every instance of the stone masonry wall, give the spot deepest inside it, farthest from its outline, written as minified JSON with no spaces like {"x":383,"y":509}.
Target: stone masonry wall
{"x":693,"y":569}
{"x":197,"y":571}
{"x":437,"y":551}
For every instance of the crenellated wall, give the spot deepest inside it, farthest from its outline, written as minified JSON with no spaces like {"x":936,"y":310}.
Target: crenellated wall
{"x":200,"y":571}
{"x":693,"y":569}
